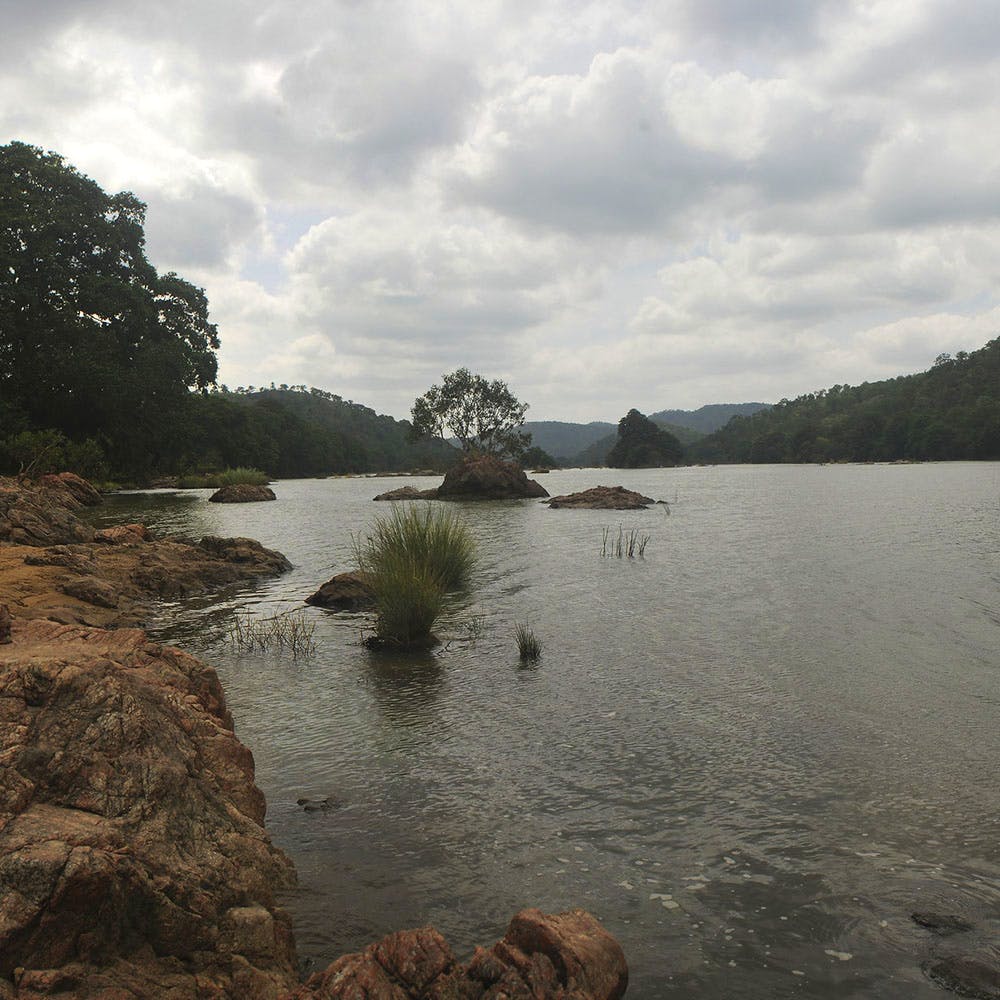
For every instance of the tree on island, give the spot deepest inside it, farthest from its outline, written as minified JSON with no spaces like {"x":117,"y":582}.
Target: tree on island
{"x":96,"y":344}
{"x":484,"y":416}
{"x":643,"y":444}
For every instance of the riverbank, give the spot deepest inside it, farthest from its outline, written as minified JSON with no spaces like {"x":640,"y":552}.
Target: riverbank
{"x":135,"y":858}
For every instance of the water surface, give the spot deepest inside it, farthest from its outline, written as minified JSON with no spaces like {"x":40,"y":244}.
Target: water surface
{"x":752,"y":753}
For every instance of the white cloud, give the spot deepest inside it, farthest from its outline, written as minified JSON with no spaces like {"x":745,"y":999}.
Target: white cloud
{"x":607,"y":203}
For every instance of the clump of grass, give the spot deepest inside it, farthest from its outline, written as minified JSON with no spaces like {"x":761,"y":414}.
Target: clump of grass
{"x":291,"y":632}
{"x":432,"y":538}
{"x":529,"y":646}
{"x":242,"y":475}
{"x":628,"y":545}
{"x":412,"y":557}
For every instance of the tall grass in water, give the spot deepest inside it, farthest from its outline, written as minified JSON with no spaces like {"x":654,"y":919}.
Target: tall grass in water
{"x":240,"y":475}
{"x":412,"y":557}
{"x":287,"y":632}
{"x":628,"y":545}
{"x":529,"y":647}
{"x":434,"y":539}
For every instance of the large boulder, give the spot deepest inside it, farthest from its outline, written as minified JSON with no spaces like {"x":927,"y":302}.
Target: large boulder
{"x":41,"y":513}
{"x":484,"y":477}
{"x":344,"y":592}
{"x":603,"y":498}
{"x":563,"y":956}
{"x":242,"y":493}
{"x":134,"y":857}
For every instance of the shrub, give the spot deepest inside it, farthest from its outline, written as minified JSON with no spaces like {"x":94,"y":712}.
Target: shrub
{"x":412,"y":557}
{"x":241,"y":475}
{"x":529,"y":647}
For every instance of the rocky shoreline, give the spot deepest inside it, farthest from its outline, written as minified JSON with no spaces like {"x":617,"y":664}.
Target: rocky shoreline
{"x":134,"y":861}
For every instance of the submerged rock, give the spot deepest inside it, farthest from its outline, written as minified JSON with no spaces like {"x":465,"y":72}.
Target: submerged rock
{"x":941,"y":923}
{"x":967,"y":975}
{"x":484,"y":477}
{"x":242,"y":493}
{"x":603,"y":498}
{"x":563,"y":956}
{"x":344,"y":592}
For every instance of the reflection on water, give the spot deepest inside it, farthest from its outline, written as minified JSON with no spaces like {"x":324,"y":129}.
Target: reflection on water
{"x":752,"y":753}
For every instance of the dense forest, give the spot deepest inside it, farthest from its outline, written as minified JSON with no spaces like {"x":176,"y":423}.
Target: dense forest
{"x":950,"y":412}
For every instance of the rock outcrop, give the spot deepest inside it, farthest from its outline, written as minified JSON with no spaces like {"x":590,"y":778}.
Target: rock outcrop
{"x":603,"y":498}
{"x":408,"y":493}
{"x":344,"y":592}
{"x":564,"y":956}
{"x":134,"y":857}
{"x":242,"y":493}
{"x":484,"y":477}
{"x":41,"y":512}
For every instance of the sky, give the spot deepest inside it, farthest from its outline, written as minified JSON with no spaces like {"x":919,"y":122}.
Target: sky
{"x":606,"y":205}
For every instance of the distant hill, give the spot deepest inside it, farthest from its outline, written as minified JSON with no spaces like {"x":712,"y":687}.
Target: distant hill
{"x":305,"y":432}
{"x":565,"y":440}
{"x":951,"y":411}
{"x":708,"y":418}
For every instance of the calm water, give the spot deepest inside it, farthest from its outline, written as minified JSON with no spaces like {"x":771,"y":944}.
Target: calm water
{"x":752,"y":754}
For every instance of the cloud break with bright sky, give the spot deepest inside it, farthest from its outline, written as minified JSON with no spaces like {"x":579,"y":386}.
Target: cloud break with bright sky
{"x":607,"y":205}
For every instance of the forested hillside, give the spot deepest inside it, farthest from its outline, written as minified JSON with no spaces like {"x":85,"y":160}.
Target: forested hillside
{"x":708,"y":418}
{"x":951,"y":411}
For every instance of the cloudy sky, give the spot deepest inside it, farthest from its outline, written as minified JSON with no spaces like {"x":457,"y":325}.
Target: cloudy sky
{"x":608,"y":205}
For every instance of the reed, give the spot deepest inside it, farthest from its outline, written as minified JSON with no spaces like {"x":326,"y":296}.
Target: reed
{"x":529,"y":646}
{"x":628,"y":545}
{"x":289,"y":632}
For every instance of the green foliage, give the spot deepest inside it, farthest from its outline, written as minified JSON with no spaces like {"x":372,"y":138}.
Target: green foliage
{"x":485,"y":416}
{"x":408,"y":598}
{"x":643,"y":444}
{"x":241,"y":476}
{"x":38,"y":452}
{"x":951,"y":411}
{"x":95,"y":343}
{"x":411,"y":558}
{"x":529,"y":647}
{"x":536,"y":458}
{"x":433,"y":538}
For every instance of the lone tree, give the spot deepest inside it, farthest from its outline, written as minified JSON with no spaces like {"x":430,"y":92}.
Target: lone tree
{"x":643,"y":444}
{"x":485,"y":416}
{"x":94,"y":343}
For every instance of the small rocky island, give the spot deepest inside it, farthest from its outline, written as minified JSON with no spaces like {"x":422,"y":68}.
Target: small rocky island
{"x":602,"y":498}
{"x":476,"y":477}
{"x":135,"y":862}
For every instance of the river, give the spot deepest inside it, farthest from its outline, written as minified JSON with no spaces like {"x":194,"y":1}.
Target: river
{"x":752,"y":753}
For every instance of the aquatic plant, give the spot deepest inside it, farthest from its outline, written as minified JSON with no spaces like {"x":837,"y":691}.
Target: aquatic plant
{"x":412,"y":556}
{"x":628,"y":545}
{"x":290,"y":631}
{"x":434,"y":539}
{"x":529,"y":647}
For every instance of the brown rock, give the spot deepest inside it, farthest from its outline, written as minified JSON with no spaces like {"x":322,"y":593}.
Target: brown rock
{"x":484,"y":477}
{"x":408,"y":493}
{"x":91,"y":590}
{"x":603,"y":498}
{"x":344,"y":592}
{"x":242,"y":493}
{"x":41,"y":513}
{"x":82,"y":493}
{"x":123,"y":534}
{"x":972,"y":976}
{"x":134,"y":859}
{"x":5,"y":623}
{"x":565,"y":956}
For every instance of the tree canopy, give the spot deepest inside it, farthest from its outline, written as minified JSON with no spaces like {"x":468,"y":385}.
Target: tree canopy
{"x":94,"y":343}
{"x":643,"y":444}
{"x":484,"y":416}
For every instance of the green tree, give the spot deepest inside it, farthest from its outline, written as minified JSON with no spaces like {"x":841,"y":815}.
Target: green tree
{"x":485,"y":416}
{"x":643,"y":444}
{"x":93,"y":342}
